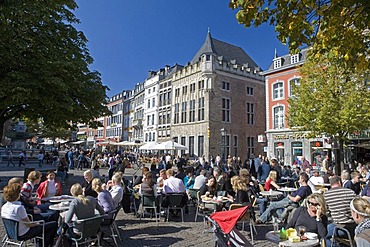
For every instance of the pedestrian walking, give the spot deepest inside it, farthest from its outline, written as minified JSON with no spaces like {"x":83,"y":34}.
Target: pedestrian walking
{"x":22,"y":157}
{"x":10,"y":157}
{"x":40,"y":158}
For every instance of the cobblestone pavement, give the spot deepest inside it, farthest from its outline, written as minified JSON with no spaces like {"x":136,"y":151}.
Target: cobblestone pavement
{"x":146,"y":232}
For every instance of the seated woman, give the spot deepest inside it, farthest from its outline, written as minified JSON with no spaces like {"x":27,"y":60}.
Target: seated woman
{"x":82,"y":207}
{"x":13,"y":210}
{"x":210,"y":188}
{"x":360,"y":210}
{"x":270,"y":183}
{"x":148,"y":187}
{"x":105,"y":199}
{"x":313,"y":217}
{"x":50,"y":187}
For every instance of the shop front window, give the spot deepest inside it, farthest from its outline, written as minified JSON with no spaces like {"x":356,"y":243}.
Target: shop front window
{"x":297,"y":152}
{"x":318,"y":153}
{"x":279,"y":151}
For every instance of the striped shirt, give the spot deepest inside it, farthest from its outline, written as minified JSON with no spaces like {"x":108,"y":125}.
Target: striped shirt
{"x":338,"y":200}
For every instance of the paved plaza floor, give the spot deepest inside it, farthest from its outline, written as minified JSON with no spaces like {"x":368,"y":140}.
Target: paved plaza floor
{"x":146,"y":232}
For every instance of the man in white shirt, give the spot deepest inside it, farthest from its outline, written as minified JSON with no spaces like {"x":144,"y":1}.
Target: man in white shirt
{"x":174,"y":185}
{"x":116,"y":189}
{"x":200,"y":180}
{"x":316,"y":179}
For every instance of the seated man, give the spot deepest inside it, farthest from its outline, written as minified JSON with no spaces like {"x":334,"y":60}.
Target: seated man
{"x":294,"y":199}
{"x":338,"y":200}
{"x":173,"y":185}
{"x":316,"y":179}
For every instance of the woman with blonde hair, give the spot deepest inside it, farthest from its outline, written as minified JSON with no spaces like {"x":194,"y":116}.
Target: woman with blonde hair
{"x":313,"y":216}
{"x":270,"y":183}
{"x":105,"y":199}
{"x":81,"y":207}
{"x":360,"y":210}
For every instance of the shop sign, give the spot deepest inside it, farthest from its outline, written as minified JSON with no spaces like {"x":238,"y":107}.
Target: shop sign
{"x":291,"y":136}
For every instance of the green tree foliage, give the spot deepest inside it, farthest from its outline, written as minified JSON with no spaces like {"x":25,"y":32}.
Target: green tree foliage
{"x":331,"y":98}
{"x":322,"y":24}
{"x":44,"y":65}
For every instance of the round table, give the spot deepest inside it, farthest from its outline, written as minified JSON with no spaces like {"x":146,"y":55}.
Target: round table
{"x":59,"y":207}
{"x":287,"y":190}
{"x":271,"y":193}
{"x":275,"y":238}
{"x":58,"y":199}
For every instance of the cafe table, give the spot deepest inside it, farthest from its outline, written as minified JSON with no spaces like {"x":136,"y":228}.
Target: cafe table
{"x":215,"y":204}
{"x":272,"y":193}
{"x":275,"y":238}
{"x":62,"y":206}
{"x":58,"y":199}
{"x":287,"y":190}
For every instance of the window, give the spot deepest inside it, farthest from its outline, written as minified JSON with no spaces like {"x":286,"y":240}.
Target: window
{"x":278,"y":90}
{"x":236,"y":146}
{"x":177,"y":113}
{"x":152,"y":119}
{"x":148,"y":103}
{"x":201,"y":84}
{"x":226,"y":109}
{"x":184,"y":90}
{"x":200,"y":146}
{"x":191,"y":145}
{"x":294,"y":58}
{"x":226,"y":86}
{"x":250,"y":91}
{"x":183,"y":140}
{"x":250,"y":146}
{"x":192,"y":87}
{"x":153,"y":102}
{"x":183,"y":112}
{"x":277,"y":63}
{"x":208,"y":57}
{"x":278,"y":117}
{"x":192,"y":111}
{"x":250,"y":113}
{"x":160,"y":119}
{"x":296,"y":82}
{"x":177,"y":92}
{"x":201,"y":109}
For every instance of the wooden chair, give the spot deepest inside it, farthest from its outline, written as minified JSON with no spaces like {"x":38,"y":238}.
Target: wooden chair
{"x":246,"y":218}
{"x":12,"y":237}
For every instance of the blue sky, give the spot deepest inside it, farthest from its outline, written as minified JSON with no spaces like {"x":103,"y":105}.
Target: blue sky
{"x":129,"y":38}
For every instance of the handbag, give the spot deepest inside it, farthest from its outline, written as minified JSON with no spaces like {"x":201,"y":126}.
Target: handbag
{"x":62,"y":241}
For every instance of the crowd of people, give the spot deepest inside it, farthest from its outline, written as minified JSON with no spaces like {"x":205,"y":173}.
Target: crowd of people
{"x":345,"y":201}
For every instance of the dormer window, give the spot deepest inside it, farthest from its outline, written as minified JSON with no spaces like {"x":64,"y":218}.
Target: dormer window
{"x":277,"y":63}
{"x":294,"y":58}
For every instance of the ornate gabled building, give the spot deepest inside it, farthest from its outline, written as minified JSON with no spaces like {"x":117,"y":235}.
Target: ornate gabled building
{"x":218,"y":102}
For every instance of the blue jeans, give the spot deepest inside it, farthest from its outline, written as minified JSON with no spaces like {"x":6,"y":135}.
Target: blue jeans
{"x":261,"y":204}
{"x":274,"y":206}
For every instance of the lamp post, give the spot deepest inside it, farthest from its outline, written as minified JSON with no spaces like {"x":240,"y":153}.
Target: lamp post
{"x":223,"y":142}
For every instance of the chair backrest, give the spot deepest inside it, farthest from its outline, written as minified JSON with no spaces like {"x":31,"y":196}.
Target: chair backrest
{"x":148,"y":201}
{"x":90,"y":226}
{"x":193,"y":193}
{"x":245,"y":217}
{"x":175,"y":199}
{"x":11,"y":228}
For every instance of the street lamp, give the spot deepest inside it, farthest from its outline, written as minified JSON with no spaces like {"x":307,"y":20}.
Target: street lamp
{"x":223,"y":140}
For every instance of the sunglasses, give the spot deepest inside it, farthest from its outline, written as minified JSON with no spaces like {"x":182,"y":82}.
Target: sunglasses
{"x":313,"y":204}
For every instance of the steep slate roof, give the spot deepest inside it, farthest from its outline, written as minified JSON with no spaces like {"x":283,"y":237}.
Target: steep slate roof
{"x":229,"y":52}
{"x":286,"y":61}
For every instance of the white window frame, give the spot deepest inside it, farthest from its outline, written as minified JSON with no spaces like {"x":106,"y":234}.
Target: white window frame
{"x":279,"y":117}
{"x":290,"y":84}
{"x":280,"y":90}
{"x":294,"y":58}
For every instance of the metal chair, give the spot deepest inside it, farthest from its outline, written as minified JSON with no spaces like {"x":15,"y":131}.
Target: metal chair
{"x":176,"y":203}
{"x":347,"y":241}
{"x":149,"y":202}
{"x":246,"y":218}
{"x":193,"y":196}
{"x":89,"y":228}
{"x":111,"y":223}
{"x":11,"y":229}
